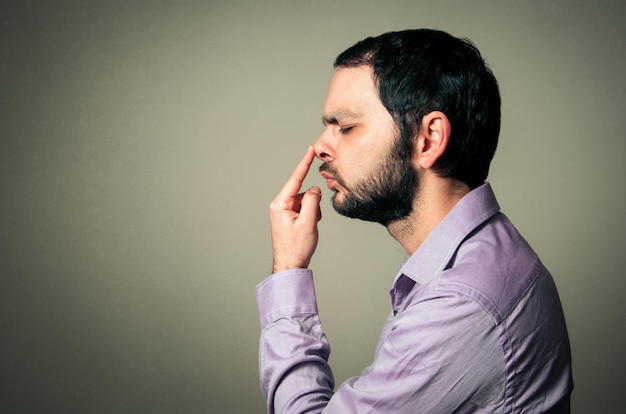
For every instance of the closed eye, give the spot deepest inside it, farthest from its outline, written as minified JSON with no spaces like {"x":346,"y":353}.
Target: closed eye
{"x":345,"y":130}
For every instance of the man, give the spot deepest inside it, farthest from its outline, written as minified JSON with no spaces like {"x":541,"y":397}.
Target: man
{"x":411,"y":123}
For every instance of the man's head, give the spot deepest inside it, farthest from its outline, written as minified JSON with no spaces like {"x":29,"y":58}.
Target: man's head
{"x":387,"y":94}
{"x":420,"y":71}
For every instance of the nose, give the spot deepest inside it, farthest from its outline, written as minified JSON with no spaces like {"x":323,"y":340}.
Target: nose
{"x":324,"y":148}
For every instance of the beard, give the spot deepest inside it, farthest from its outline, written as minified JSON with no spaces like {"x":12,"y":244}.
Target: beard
{"x":386,"y":195}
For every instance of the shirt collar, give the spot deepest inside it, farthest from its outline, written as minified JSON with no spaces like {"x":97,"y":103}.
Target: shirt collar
{"x":435,"y":253}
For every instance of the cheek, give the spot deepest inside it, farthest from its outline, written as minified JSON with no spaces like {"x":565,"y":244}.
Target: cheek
{"x":358,"y":171}
{"x":358,"y":158}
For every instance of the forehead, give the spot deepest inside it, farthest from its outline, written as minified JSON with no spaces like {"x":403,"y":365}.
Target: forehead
{"x":352,"y":92}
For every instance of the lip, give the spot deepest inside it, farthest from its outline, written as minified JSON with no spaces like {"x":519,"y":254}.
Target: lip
{"x":330,"y":181}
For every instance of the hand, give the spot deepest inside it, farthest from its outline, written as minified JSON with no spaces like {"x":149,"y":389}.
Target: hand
{"x":294,"y":217}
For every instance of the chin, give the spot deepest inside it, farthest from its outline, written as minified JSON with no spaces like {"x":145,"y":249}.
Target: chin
{"x":337,"y":199}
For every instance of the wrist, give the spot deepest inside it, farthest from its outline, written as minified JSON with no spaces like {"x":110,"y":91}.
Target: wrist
{"x":283,"y":266}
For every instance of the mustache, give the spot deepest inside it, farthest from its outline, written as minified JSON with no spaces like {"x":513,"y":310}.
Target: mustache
{"x":327,"y":168}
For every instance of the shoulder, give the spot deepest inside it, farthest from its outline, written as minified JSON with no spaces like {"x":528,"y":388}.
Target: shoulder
{"x":494,"y":266}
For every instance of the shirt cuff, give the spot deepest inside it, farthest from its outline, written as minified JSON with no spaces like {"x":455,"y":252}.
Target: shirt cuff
{"x":284,"y":294}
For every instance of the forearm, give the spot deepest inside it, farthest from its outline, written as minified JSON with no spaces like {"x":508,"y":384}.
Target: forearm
{"x":294,"y":372}
{"x":295,"y":376}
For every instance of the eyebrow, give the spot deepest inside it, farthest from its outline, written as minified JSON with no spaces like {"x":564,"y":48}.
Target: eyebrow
{"x":334,"y":117}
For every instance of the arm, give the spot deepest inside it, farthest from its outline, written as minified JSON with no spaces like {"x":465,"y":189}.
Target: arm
{"x":441,"y":355}
{"x":293,"y":351}
{"x":295,"y":376}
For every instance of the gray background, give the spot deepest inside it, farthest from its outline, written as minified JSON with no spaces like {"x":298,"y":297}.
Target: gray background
{"x":140,"y":146}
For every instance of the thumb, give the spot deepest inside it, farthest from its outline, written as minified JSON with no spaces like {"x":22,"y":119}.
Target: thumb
{"x":316,"y":191}
{"x":310,"y":204}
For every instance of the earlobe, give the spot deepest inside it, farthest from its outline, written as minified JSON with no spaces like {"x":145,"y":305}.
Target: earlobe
{"x":433,"y":138}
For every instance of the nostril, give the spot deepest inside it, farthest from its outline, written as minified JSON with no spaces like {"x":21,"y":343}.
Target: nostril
{"x":323,"y":150}
{"x":324,"y":156}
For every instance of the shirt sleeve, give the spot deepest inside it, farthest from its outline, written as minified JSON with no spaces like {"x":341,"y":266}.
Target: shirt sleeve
{"x":432,"y":357}
{"x":293,"y":352}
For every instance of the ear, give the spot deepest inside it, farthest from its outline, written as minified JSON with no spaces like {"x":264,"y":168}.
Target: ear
{"x":432,"y":139}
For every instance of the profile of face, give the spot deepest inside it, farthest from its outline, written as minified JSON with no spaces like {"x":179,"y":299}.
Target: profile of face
{"x":365,"y":162}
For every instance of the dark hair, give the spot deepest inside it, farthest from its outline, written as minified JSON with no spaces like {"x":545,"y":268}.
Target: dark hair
{"x":420,"y":71}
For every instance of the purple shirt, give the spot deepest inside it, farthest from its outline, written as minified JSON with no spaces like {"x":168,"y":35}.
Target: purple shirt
{"x":476,"y":326}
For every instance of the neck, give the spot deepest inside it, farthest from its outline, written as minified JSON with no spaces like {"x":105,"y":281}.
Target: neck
{"x":433,"y":201}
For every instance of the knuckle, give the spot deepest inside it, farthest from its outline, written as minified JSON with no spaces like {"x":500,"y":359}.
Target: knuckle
{"x":274,"y":205}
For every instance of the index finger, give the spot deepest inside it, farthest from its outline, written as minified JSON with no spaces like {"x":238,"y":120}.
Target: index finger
{"x":294,"y":183}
